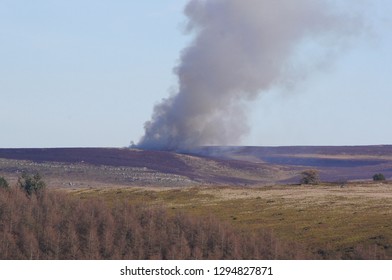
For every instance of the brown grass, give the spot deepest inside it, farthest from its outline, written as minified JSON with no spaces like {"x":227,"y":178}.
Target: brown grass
{"x":54,"y":225}
{"x":327,"y":220}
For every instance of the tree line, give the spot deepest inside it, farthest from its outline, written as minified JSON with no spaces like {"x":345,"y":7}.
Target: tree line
{"x":40,"y":223}
{"x":37,"y":223}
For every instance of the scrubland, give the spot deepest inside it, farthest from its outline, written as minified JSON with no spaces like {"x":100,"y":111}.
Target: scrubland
{"x":131,"y":204}
{"x":57,"y":225}
{"x":324,"y":221}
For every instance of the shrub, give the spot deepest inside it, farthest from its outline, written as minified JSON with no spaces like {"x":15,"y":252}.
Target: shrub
{"x":3,"y":183}
{"x":310,"y":176}
{"x":378,"y":177}
{"x":31,"y":183}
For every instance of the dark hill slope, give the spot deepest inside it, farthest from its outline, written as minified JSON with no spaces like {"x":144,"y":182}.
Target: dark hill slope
{"x":158,"y":160}
{"x":198,"y":168}
{"x":335,"y":162}
{"x":228,"y":165}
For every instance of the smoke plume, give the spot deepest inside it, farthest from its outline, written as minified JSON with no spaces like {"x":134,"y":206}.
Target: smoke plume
{"x":241,"y":48}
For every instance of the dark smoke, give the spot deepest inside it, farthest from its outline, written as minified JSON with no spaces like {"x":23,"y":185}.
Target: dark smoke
{"x":240,"y":49}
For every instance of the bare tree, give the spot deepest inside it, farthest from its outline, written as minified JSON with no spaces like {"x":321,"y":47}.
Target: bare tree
{"x":310,"y":177}
{"x":3,"y":183}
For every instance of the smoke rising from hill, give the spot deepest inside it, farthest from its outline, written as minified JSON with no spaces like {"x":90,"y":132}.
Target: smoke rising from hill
{"x":240,"y":49}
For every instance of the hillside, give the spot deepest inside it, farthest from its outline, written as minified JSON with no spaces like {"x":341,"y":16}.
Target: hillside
{"x":244,"y":188}
{"x":335,"y":163}
{"x":206,"y":165}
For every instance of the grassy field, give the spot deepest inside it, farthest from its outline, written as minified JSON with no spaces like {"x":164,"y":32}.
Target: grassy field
{"x":328,"y":220}
{"x":253,"y":194}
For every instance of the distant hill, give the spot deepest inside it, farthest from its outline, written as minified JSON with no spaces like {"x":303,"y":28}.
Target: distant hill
{"x":334,"y":162}
{"x":226,"y":165}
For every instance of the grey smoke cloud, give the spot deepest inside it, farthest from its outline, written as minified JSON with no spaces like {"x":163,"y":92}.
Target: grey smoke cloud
{"x":241,"y":48}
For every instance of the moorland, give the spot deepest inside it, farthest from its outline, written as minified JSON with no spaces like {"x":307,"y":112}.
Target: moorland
{"x":205,"y":203}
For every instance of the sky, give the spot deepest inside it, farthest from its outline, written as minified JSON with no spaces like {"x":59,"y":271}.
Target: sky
{"x":88,"y":74}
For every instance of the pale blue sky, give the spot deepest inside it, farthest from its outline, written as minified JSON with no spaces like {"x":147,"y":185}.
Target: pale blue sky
{"x":87,"y":73}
